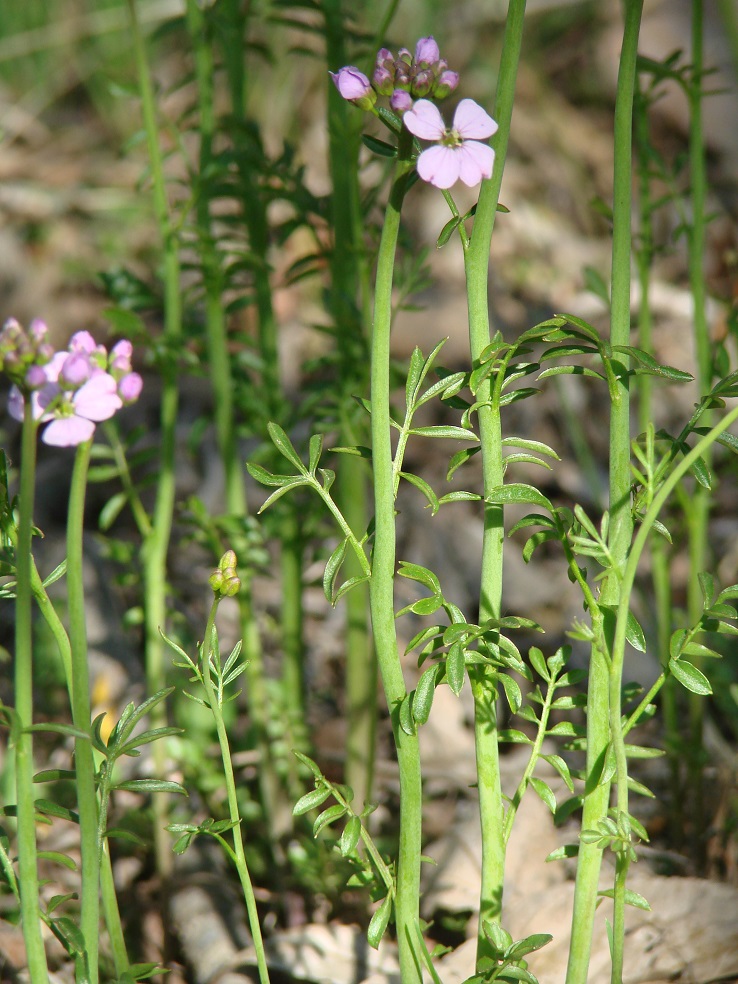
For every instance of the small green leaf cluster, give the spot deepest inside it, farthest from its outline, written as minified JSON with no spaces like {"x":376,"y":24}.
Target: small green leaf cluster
{"x":507,"y":959}
{"x":220,"y":674}
{"x":616,"y":832}
{"x":188,"y":831}
{"x":456,"y":647}
{"x":718,"y":617}
{"x":122,"y":741}
{"x":371,"y":870}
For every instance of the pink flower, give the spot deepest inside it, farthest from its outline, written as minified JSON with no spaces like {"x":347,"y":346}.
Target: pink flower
{"x":459,"y":154}
{"x":74,"y":421}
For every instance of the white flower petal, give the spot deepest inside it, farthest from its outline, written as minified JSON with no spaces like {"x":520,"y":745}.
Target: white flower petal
{"x":425,"y":121}
{"x":472,"y":122}
{"x":476,"y":161}
{"x":439,"y":166}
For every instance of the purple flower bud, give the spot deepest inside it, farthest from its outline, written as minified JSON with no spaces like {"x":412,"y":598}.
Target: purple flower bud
{"x":123,"y":347}
{"x":120,"y":357}
{"x":402,"y":76}
{"x":384,"y":55}
{"x":404,"y":57}
{"x":401,"y":101}
{"x":35,"y":378}
{"x":382,"y":80}
{"x":422,"y":83}
{"x":45,"y":353}
{"x":353,"y":84}
{"x":129,"y":387}
{"x":76,"y":369}
{"x":38,"y":331}
{"x":82,"y":341}
{"x":445,"y":84}
{"x":426,"y":51}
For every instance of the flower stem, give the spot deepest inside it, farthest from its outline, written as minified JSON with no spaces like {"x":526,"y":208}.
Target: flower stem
{"x":698,"y":513}
{"x":484,"y":689}
{"x":350,"y":280}
{"x":604,"y":678}
{"x":27,"y":858}
{"x":234,"y":816}
{"x":156,"y":544}
{"x":381,"y":591}
{"x":81,"y":711}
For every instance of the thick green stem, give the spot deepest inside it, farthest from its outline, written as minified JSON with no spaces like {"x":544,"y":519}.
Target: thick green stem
{"x":156,"y":544}
{"x":234,"y":815}
{"x":27,"y":858}
{"x":349,"y":280}
{"x":698,"y":515}
{"x":382,"y":585}
{"x":81,"y":711}
{"x":659,"y":548}
{"x":601,"y":687}
{"x":476,"y":260}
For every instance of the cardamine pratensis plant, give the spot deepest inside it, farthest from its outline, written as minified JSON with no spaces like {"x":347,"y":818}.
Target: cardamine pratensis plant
{"x":66,"y":393}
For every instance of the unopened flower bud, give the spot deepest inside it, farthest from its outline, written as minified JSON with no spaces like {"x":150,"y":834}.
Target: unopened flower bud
{"x":382,"y":80}
{"x":402,"y":76}
{"x":231,"y":587}
{"x":76,"y":369}
{"x":228,"y":560}
{"x":38,"y":330}
{"x":129,"y":387}
{"x":35,"y":378}
{"x":216,"y":581}
{"x":401,"y":101}
{"x":426,"y":51}
{"x":354,"y":86}
{"x":404,"y":56}
{"x":445,"y":84}
{"x":422,"y":83}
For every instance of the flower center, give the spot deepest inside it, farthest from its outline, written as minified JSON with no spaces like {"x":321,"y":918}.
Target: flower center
{"x":451,"y":138}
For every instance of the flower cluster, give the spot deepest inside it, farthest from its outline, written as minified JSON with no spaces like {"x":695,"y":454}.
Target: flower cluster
{"x":403,"y":79}
{"x":224,"y":580}
{"x":408,"y":80}
{"x":71,"y":390}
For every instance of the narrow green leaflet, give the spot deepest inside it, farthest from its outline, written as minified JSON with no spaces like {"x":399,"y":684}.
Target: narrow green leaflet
{"x":518,"y":492}
{"x":379,"y":922}
{"x":425,"y":488}
{"x":284,"y":446}
{"x":545,"y":792}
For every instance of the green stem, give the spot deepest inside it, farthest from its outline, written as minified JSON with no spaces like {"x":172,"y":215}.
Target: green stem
{"x":698,"y":514}
{"x":476,"y":261}
{"x":275,"y":809}
{"x":107,"y":884}
{"x":81,"y":711}
{"x":234,"y":816}
{"x":27,"y":858}
{"x":659,"y":550}
{"x":605,"y":679}
{"x":382,"y":583}
{"x":349,"y":281}
{"x":156,"y":544}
